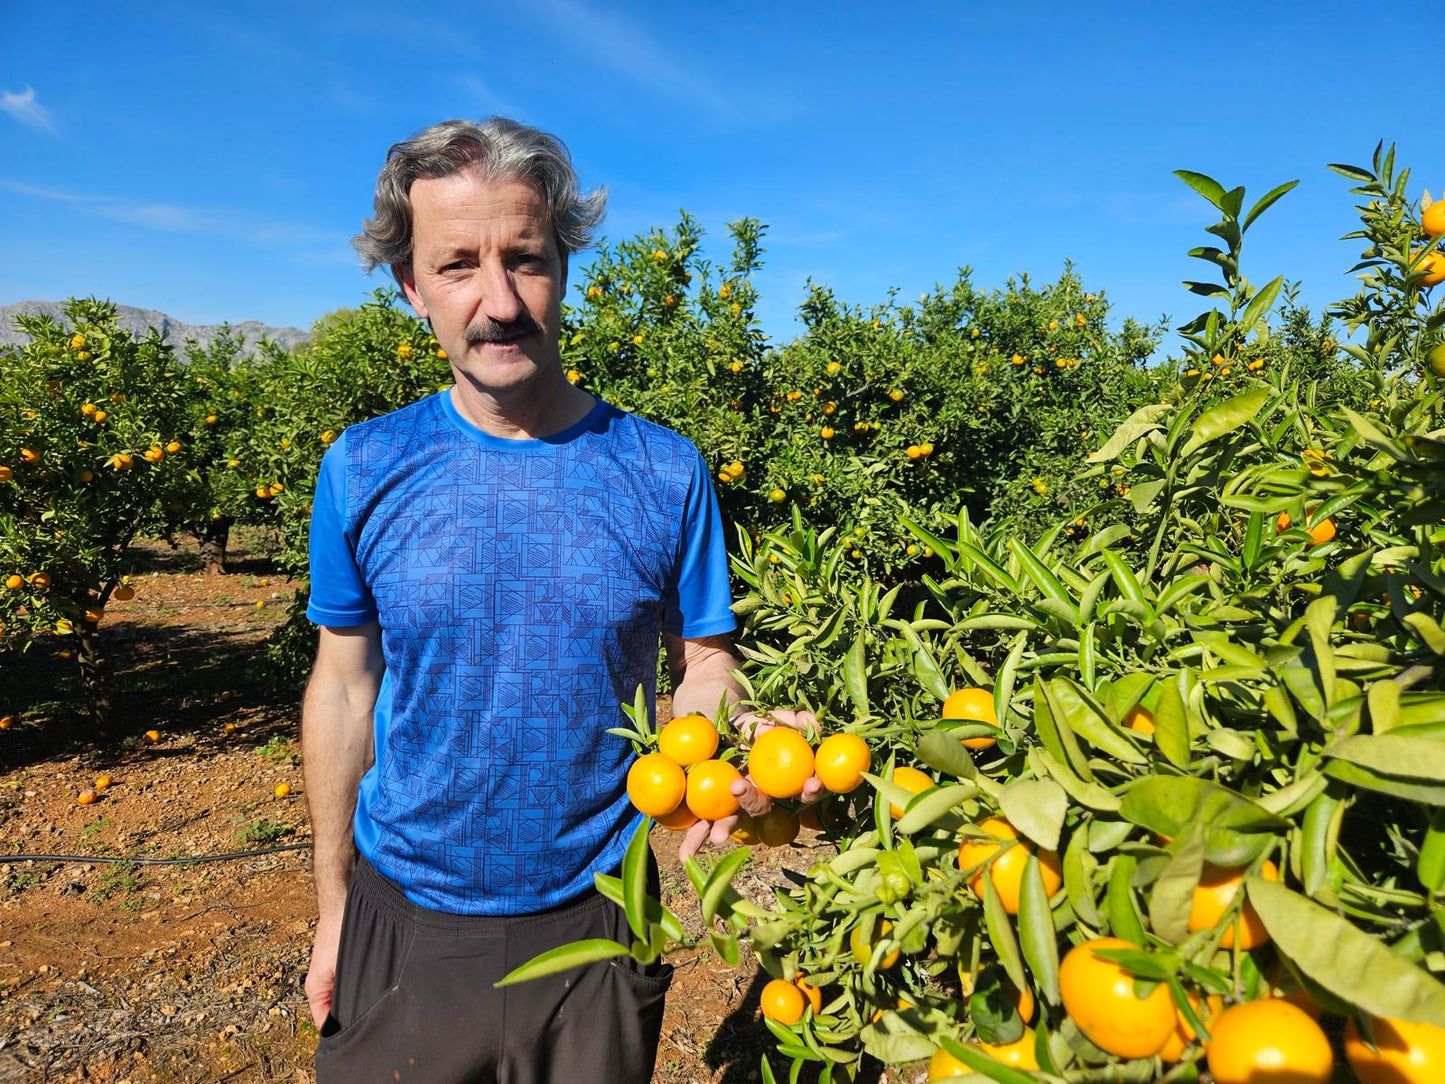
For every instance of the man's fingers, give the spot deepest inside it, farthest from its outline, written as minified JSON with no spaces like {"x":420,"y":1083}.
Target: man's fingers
{"x":753,"y":801}
{"x":722,"y":828}
{"x":692,"y":840}
{"x":812,"y":790}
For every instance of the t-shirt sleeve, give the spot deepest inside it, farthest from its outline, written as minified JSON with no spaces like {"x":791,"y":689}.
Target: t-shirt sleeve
{"x":699,"y":599}
{"x":339,"y":595}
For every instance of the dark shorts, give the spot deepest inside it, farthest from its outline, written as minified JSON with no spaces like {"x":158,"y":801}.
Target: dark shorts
{"x":414,"y":1000}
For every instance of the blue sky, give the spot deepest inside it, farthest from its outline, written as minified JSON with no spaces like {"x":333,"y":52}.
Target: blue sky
{"x":213,"y":160}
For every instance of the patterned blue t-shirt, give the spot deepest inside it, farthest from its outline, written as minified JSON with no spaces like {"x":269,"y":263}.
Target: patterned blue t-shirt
{"x":520,"y":587}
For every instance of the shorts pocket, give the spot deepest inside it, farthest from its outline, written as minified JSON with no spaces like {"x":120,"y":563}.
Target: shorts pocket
{"x":370,"y":962}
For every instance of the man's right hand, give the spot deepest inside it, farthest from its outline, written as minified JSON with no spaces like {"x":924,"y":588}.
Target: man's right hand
{"x":321,"y":974}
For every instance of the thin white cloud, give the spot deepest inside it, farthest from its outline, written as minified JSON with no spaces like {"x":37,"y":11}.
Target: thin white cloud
{"x":631,"y":52}
{"x":175,"y":218}
{"x":24,"y":108}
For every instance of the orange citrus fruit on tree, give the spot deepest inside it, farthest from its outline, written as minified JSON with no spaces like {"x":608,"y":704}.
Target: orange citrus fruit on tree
{"x":1320,"y":533}
{"x":656,"y":784}
{"x":1140,"y":718}
{"x":688,"y":739}
{"x":1436,"y":358}
{"x":1268,"y":1040}
{"x":911,"y":780}
{"x":944,"y":1066}
{"x":1183,"y":1035}
{"x":746,"y":831}
{"x":1405,"y":1051}
{"x":776,"y":828}
{"x":14,"y":582}
{"x":783,"y":1001}
{"x":1019,"y":1053}
{"x":780,"y":762}
{"x":812,"y":993}
{"x":708,"y":789}
{"x":1099,"y":995}
{"x":678,"y":820}
{"x":974,"y":705}
{"x":863,"y":950}
{"x":1431,"y":269}
{"x":1212,"y":897}
{"x":840,"y":762}
{"x":1433,"y":218}
{"x":1007,"y":869}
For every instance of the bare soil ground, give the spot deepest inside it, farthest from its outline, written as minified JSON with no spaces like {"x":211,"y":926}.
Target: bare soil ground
{"x":192,"y":971}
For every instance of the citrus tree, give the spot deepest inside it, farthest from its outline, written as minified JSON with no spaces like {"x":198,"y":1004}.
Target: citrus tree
{"x":93,"y":454}
{"x":1147,"y":797}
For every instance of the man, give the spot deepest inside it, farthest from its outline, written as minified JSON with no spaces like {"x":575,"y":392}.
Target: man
{"x":491,"y":570}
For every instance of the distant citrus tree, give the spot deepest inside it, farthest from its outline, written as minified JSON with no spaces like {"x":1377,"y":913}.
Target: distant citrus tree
{"x":93,"y":455}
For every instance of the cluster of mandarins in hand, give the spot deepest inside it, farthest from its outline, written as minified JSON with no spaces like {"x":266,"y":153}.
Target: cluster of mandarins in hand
{"x":685,"y":781}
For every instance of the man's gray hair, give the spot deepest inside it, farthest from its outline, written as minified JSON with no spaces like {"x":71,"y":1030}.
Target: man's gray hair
{"x":496,"y":148}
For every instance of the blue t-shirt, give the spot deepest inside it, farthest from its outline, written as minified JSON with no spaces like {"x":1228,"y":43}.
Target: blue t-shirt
{"x":520,"y":587}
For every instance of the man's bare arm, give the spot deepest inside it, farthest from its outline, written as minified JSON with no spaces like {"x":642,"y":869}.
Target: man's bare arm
{"x":336,"y":750}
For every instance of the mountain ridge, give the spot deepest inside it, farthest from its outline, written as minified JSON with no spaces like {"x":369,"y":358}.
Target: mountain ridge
{"x":137,"y":321}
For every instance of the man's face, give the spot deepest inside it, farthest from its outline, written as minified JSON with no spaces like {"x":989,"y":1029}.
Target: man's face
{"x":487,"y":272}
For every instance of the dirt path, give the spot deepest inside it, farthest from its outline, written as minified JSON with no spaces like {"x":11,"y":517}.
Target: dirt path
{"x":115,"y":971}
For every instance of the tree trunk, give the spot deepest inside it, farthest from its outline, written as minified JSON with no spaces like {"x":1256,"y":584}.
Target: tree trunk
{"x":98,"y":681}
{"x":214,"y":536}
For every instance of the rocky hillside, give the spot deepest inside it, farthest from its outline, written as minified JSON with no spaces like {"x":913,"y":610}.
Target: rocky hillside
{"x":137,"y":320}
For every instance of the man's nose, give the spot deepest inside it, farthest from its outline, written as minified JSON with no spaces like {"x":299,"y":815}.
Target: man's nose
{"x":499,"y":298}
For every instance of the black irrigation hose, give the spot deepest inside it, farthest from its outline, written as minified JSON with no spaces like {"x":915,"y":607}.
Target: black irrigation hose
{"x":5,"y":859}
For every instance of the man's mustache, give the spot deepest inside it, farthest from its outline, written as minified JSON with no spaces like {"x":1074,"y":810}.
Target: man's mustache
{"x":495,"y":332}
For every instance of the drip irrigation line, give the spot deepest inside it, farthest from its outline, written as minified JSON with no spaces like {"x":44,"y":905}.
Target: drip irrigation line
{"x":9,"y":858}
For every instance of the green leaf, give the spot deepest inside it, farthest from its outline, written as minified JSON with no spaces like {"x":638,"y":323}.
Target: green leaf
{"x":1036,"y":932}
{"x":931,"y":805}
{"x":1384,"y":701}
{"x":1425,"y":793}
{"x":1265,"y":203}
{"x":980,"y":1062}
{"x":1260,"y":303}
{"x":1171,"y":723}
{"x":634,"y":880}
{"x":1172,"y":896}
{"x":1044,"y":579}
{"x":1225,"y":418}
{"x":1124,"y":920}
{"x":563,"y":958}
{"x":720,"y":881}
{"x":1085,"y":719}
{"x":1142,"y":421}
{"x":1036,"y":807}
{"x":943,"y":752}
{"x":1001,"y":934}
{"x":1349,"y":963}
{"x":1394,"y":754}
{"x":1079,"y":867}
{"x":855,"y":674}
{"x":1206,"y":186}
{"x":1428,"y":629}
{"x":1236,"y":829}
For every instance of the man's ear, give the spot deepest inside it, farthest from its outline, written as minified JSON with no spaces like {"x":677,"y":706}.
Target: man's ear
{"x":407,"y":278}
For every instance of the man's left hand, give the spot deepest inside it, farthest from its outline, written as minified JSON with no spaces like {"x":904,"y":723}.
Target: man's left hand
{"x":751,"y":800}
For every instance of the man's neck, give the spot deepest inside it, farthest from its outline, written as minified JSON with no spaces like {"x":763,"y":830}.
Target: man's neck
{"x":525,"y":413}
